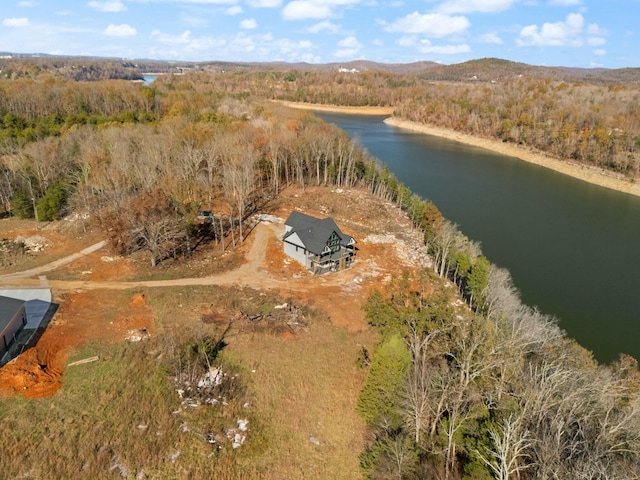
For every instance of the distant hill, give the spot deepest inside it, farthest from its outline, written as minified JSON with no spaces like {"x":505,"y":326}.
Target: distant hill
{"x":496,"y":69}
{"x":480,"y":70}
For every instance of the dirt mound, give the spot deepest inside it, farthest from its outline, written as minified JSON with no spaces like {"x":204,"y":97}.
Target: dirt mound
{"x":38,"y":371}
{"x":138,"y":300}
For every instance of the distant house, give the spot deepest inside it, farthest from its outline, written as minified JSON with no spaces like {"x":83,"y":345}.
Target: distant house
{"x":317,"y":243}
{"x":12,"y":319}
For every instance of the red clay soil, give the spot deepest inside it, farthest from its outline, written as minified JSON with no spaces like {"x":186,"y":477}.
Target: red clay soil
{"x":38,"y":371}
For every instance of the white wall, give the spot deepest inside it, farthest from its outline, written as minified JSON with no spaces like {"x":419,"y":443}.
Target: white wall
{"x":300,"y":256}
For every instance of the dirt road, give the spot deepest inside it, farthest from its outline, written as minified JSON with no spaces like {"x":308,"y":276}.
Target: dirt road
{"x":345,"y":289}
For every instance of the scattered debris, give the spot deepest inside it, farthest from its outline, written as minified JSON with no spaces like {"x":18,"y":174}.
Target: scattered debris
{"x":314,"y":440}
{"x":124,"y":472}
{"x":83,"y":361}
{"x":234,"y":434}
{"x":35,"y":243}
{"x":379,"y":238}
{"x":286,"y":314}
{"x":242,"y":425}
{"x":212,"y":378}
{"x":173,"y":456}
{"x":137,"y":335}
{"x":264,"y":217}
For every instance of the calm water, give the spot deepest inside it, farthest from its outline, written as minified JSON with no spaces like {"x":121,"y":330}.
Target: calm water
{"x":573,"y":249}
{"x":148,"y":79}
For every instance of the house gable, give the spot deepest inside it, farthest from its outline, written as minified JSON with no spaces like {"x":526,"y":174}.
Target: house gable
{"x":322,"y":241}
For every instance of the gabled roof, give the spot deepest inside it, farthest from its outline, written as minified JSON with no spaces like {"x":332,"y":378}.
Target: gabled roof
{"x":313,"y":232}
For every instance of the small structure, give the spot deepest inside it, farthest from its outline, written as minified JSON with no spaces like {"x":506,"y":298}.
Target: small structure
{"x":317,"y":243}
{"x":19,"y":333}
{"x":13,"y":318}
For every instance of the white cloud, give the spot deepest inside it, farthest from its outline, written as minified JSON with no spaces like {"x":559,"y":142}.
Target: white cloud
{"x":122,"y":30}
{"x":207,"y":2}
{"x":470,"y":6}
{"x":16,"y":22}
{"x":108,"y":6}
{"x":600,"y":52}
{"x":325,"y":26}
{"x":27,"y":4}
{"x":491,"y":37}
{"x":430,"y":24}
{"x":303,"y":9}
{"x":427,"y":47}
{"x":186,"y":43}
{"x":564,"y":34}
{"x":309,"y":9}
{"x":350,"y":42}
{"x":235,"y":10}
{"x":564,"y":3}
{"x":183,"y":38}
{"x":350,"y":46}
{"x":594,"y":30}
{"x":265,"y":3}
{"x":248,"y":24}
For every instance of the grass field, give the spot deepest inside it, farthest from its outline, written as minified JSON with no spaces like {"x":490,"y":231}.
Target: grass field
{"x":120,"y":417}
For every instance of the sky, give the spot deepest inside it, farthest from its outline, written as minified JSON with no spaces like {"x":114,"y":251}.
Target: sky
{"x":572,"y":33}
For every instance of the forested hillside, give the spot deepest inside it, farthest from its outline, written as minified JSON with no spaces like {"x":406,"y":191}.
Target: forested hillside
{"x":144,"y":161}
{"x":593,"y":124}
{"x":466,"y":382}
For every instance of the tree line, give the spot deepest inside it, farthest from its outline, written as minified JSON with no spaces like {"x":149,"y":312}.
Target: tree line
{"x":487,"y":387}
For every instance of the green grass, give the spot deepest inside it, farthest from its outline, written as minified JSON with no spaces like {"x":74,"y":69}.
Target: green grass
{"x":123,"y":409}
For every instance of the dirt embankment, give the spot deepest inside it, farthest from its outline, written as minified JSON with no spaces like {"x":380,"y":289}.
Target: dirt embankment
{"x":586,"y":173}
{"x":339,"y":108}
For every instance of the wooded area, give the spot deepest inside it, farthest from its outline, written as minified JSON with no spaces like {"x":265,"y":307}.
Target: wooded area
{"x":592,"y":124}
{"x":467,"y":384}
{"x":143,"y":161}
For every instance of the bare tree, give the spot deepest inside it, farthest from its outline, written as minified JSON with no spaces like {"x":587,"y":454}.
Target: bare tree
{"x":510,"y":443}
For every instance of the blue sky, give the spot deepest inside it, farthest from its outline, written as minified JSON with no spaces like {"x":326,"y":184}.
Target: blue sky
{"x":577,"y":33}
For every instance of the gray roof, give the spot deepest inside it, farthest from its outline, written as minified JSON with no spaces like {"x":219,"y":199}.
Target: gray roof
{"x":36,"y":303}
{"x":8,"y":308}
{"x":314,"y":232}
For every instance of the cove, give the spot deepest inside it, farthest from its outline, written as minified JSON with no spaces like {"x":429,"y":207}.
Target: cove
{"x":573,"y":249}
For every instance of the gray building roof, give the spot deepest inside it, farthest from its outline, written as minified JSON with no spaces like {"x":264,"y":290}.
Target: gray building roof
{"x":8,"y":308}
{"x":36,"y":303}
{"x":314,"y":232}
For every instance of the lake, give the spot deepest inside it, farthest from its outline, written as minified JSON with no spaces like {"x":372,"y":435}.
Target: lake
{"x":148,"y":79}
{"x":571,"y":247}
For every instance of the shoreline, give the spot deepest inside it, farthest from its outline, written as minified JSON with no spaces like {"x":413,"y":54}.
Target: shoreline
{"x":592,"y":175}
{"x":321,"y":107}
{"x":585,"y":173}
